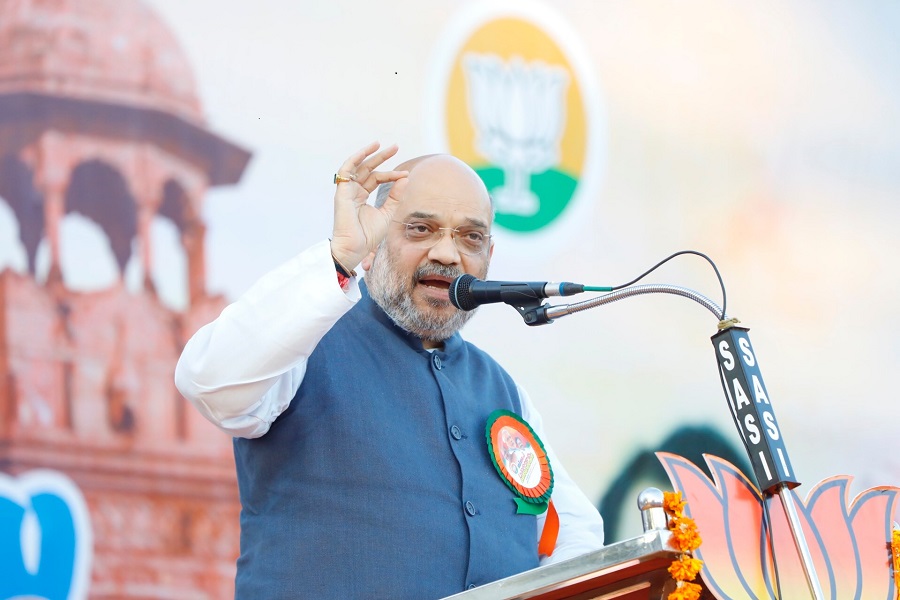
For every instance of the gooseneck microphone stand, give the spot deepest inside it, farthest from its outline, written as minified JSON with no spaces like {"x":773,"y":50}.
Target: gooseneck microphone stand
{"x":744,"y":389}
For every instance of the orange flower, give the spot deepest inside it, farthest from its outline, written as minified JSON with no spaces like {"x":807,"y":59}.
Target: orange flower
{"x":686,"y":591}
{"x":685,"y":536}
{"x":673,"y":504}
{"x":895,"y":554}
{"x":685,"y":568}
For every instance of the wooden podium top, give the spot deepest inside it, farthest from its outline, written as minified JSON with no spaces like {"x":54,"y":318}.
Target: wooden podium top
{"x":633,"y":569}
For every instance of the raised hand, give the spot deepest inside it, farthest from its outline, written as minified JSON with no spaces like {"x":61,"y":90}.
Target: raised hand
{"x":358,"y":226}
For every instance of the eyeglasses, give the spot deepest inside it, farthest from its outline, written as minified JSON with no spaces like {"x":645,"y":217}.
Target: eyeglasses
{"x":468,"y":240}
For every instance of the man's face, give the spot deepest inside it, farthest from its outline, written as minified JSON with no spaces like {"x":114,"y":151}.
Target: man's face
{"x":409,"y":280}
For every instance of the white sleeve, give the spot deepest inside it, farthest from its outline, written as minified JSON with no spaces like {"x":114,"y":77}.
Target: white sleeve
{"x":580,"y":524}
{"x":242,"y":370}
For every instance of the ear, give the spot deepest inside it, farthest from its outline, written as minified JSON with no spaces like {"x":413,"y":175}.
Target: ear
{"x":367,"y":261}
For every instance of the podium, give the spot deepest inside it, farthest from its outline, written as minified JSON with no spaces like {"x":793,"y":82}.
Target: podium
{"x":853,"y":540}
{"x":633,"y":569}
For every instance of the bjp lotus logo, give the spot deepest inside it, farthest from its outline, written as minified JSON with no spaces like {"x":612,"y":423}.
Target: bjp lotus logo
{"x":517,"y":109}
{"x":849,"y":540}
{"x":512,"y":97}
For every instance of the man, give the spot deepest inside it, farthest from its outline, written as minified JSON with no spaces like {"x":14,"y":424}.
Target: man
{"x":358,"y":411}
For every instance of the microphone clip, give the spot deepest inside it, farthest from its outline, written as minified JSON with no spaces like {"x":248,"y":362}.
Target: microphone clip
{"x":533,"y":312}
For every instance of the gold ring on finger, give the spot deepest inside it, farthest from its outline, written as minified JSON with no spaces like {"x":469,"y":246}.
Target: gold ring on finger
{"x":338,"y":178}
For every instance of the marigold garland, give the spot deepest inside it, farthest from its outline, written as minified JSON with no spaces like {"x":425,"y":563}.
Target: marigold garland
{"x":895,"y":556}
{"x":685,"y":539}
{"x":686,"y":591}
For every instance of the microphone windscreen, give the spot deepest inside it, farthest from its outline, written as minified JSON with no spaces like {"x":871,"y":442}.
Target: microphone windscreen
{"x":460,"y":295}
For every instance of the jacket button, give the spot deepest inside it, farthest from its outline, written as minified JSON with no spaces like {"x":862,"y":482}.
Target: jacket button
{"x":456,"y":432}
{"x":470,"y":508}
{"x":437,"y":361}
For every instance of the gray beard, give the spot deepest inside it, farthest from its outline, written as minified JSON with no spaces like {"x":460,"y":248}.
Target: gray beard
{"x":392,"y":291}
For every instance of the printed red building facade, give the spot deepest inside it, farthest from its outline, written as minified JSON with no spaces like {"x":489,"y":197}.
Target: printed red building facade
{"x":99,"y":116}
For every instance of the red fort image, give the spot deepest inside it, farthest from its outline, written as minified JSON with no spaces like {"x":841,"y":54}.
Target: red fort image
{"x":100,"y":122}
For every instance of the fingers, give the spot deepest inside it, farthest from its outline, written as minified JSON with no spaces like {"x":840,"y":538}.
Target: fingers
{"x":390,"y":205}
{"x":351,"y":165}
{"x":361,"y":164}
{"x":360,"y":167}
{"x":388,"y":176}
{"x":365,"y":168}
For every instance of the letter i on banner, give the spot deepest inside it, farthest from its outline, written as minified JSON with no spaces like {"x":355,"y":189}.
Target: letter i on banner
{"x":751,"y":409}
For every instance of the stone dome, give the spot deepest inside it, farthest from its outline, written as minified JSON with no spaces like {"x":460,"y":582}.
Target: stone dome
{"x":111,"y":51}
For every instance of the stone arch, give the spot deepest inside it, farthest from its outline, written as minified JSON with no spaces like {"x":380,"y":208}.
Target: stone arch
{"x":176,"y":205}
{"x":169,"y":262}
{"x":100,"y":193}
{"x":18,"y":189}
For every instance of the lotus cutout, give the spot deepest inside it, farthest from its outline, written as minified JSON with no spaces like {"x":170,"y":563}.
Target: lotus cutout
{"x":849,"y":541}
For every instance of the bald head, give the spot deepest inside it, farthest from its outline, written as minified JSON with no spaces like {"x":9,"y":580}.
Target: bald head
{"x":409,"y":164}
{"x":437,"y":170}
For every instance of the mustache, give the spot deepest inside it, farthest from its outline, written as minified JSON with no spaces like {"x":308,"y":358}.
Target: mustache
{"x":433,"y":269}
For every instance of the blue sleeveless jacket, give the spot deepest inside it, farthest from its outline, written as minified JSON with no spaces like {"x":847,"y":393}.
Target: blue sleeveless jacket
{"x":376,"y":482}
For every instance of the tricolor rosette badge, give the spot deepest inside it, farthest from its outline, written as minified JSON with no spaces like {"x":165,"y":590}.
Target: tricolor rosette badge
{"x":521,"y":460}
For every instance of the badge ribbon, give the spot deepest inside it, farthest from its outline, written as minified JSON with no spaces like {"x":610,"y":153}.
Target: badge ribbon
{"x":521,"y":460}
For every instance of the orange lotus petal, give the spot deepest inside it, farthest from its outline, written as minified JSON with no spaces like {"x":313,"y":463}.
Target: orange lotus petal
{"x":871,"y":514}
{"x":826,"y":507}
{"x":731,"y":538}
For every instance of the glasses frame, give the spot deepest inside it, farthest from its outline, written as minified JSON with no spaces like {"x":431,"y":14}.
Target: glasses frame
{"x":437,"y":239}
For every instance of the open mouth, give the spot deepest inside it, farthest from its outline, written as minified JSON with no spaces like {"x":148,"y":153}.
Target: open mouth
{"x":435,"y":282}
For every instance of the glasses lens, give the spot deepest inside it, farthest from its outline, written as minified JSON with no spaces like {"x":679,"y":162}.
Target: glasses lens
{"x":470,"y":241}
{"x":467,"y":241}
{"x":421,"y":233}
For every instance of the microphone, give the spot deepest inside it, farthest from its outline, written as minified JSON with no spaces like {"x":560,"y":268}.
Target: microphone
{"x":468,"y":292}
